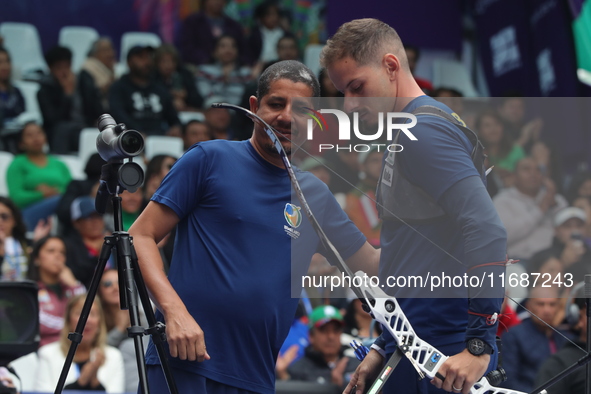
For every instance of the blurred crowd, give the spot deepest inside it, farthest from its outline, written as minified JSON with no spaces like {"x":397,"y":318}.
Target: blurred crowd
{"x":51,"y":233}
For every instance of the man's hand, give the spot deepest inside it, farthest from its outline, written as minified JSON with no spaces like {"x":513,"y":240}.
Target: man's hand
{"x":184,"y":336}
{"x":461,"y":372}
{"x":365,"y":373}
{"x":336,"y":375}
{"x":285,"y":360}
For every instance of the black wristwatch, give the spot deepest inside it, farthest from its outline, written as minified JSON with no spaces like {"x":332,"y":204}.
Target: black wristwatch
{"x":478,"y":347}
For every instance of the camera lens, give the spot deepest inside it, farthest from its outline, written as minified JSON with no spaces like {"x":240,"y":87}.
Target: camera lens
{"x":132,"y":142}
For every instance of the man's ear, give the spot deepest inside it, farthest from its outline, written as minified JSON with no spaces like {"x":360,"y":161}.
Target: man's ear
{"x":254,"y":104}
{"x":392,"y":64}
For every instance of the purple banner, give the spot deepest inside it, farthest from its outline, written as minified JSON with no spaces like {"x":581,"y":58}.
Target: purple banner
{"x":439,"y":28}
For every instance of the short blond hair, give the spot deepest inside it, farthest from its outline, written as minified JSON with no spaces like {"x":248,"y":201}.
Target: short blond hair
{"x":365,"y":41}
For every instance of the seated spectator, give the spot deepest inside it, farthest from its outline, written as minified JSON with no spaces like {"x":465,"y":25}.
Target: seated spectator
{"x":131,"y":207}
{"x":200,"y":31}
{"x":512,"y":111}
{"x":140,"y":102}
{"x":218,"y":122}
{"x":567,"y":356}
{"x":156,"y":170}
{"x":584,"y":203}
{"x":569,"y":244}
{"x":60,"y":102}
{"x":35,"y":179}
{"x":78,"y":188}
{"x":12,"y":102}
{"x":194,"y":132}
{"x":180,"y":82}
{"x":527,"y":345}
{"x":56,"y":285}
{"x":96,"y":366}
{"x":412,"y":54}
{"x":359,"y":324}
{"x":224,"y":79}
{"x":85,"y":243}
{"x":502,"y":152}
{"x":527,"y":210}
{"x":14,"y":245}
{"x":360,"y":201}
{"x":95,"y":79}
{"x":324,"y":360}
{"x":13,"y":242}
{"x":117,"y":322}
{"x":267,"y":32}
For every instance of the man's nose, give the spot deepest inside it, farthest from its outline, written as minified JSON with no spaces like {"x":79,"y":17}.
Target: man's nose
{"x":351,"y":103}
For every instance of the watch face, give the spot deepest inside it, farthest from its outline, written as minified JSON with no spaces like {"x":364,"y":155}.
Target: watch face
{"x":476,"y":346}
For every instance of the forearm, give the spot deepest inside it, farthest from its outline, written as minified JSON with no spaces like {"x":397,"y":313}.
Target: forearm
{"x":152,"y":267}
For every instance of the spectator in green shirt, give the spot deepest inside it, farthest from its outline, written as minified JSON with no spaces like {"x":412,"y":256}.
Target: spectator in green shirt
{"x":35,"y":179}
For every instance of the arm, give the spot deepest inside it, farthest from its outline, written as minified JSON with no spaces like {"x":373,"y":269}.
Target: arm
{"x":367,"y":259}
{"x":185,"y":337}
{"x":484,"y":242}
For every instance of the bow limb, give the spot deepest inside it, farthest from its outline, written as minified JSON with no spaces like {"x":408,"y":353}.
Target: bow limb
{"x":423,"y":356}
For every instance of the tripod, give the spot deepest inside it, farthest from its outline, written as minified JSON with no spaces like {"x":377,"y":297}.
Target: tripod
{"x":131,"y":284}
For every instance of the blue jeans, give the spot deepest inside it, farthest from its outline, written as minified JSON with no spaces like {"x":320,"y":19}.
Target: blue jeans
{"x":40,"y":210}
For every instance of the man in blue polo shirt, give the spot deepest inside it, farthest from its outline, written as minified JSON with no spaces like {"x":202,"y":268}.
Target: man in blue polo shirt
{"x":435,"y":184}
{"x":229,"y":284}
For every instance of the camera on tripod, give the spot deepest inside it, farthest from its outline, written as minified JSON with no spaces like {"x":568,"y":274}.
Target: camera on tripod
{"x":116,"y":143}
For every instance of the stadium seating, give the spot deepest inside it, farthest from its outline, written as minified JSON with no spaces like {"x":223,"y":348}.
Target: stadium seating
{"x":163,"y":145}
{"x":79,"y":39}
{"x":5,"y":160}
{"x":23,"y":43}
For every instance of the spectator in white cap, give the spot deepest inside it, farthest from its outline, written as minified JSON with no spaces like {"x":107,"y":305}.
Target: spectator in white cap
{"x":84,"y":244}
{"x":569,"y":242}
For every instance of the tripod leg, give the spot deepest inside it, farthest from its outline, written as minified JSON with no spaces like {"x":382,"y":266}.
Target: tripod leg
{"x":76,"y":336}
{"x":157,"y":329}
{"x":129,"y":301}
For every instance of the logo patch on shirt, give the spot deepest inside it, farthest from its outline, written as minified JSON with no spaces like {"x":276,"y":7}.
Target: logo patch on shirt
{"x":293,"y":217}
